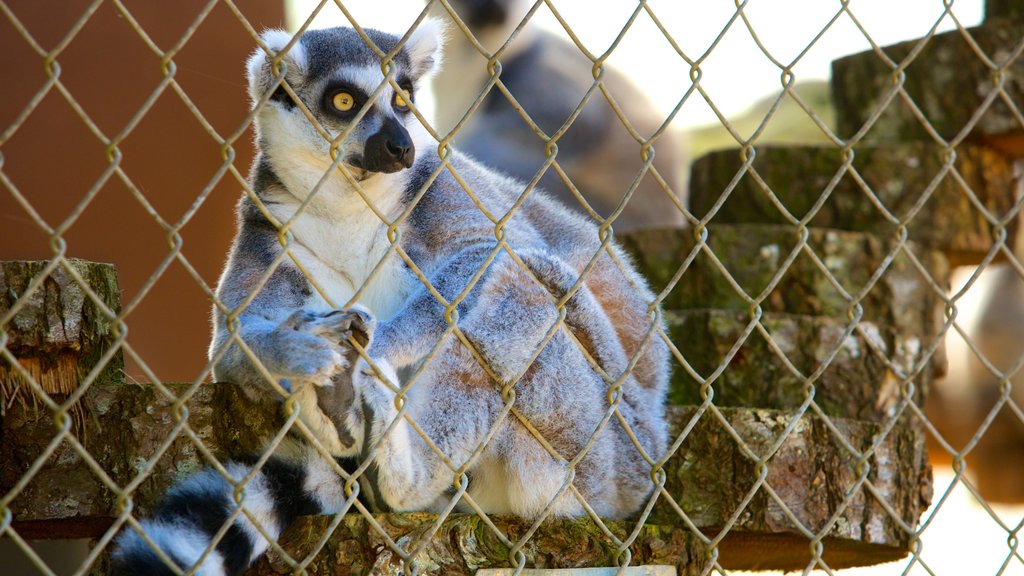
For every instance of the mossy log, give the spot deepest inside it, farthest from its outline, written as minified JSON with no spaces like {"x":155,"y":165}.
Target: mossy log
{"x":903,"y":298}
{"x":709,"y":477}
{"x":128,"y":423}
{"x":897,"y":175}
{"x":465,"y":543}
{"x":857,"y":383}
{"x":124,"y":427}
{"x":58,"y":334}
{"x":948,"y":81}
{"x":812,"y":474}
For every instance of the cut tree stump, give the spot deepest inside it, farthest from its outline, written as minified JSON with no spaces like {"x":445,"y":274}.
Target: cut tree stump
{"x":903,"y":298}
{"x":811,"y":473}
{"x":856,"y":384}
{"x":947,"y":81}
{"x":897,"y":175}
{"x":59,"y":333}
{"x":127,"y":424}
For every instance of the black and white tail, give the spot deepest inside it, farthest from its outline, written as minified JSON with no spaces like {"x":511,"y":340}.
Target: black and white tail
{"x":195,"y":510}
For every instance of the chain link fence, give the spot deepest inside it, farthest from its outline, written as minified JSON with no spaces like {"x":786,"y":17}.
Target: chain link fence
{"x":806,"y":298}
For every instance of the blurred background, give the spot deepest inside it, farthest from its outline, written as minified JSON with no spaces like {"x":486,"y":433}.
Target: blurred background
{"x":171,"y":159}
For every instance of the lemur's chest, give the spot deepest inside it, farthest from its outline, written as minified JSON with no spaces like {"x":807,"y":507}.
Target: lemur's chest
{"x":350,"y":256}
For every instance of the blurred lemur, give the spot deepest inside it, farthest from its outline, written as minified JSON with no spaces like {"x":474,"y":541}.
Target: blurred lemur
{"x":301,"y":339}
{"x":548,"y":77}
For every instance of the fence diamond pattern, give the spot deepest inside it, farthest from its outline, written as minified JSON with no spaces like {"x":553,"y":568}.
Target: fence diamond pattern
{"x":907,"y":410}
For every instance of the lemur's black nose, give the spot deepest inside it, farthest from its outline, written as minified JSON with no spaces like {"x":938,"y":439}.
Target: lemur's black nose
{"x":398,"y":150}
{"x":389,"y":150}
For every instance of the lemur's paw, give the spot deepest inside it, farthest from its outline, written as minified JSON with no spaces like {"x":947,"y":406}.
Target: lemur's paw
{"x":316,"y":344}
{"x":362,"y":325}
{"x":336,"y":325}
{"x":318,"y":361}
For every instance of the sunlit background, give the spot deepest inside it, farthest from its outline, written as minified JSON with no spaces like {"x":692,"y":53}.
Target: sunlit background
{"x":736,"y":71}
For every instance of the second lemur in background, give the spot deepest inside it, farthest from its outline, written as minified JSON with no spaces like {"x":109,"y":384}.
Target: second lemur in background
{"x":549,"y":77}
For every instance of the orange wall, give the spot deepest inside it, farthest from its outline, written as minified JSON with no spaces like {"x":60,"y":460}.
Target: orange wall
{"x":54,"y":160}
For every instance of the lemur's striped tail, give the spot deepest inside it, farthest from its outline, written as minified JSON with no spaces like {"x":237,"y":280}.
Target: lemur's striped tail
{"x":195,"y":510}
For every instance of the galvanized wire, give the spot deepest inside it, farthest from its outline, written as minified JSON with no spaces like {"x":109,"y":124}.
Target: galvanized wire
{"x":910,"y":378}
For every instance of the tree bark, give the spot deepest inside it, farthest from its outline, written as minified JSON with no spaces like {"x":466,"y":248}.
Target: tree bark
{"x":58,"y":333}
{"x":948,"y":81}
{"x":903,"y":299}
{"x":857,"y":383}
{"x":811,"y":473}
{"x":898,"y":175}
{"x":124,"y":426}
{"x":708,"y":476}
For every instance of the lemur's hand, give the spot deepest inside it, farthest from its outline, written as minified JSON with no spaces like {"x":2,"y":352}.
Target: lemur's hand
{"x":316,"y":345}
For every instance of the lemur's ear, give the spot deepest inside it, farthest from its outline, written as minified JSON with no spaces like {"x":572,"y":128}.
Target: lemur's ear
{"x":425,"y":47}
{"x":258,"y":67}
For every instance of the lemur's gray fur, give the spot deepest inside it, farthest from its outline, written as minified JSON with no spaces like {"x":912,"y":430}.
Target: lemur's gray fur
{"x":302,"y":340}
{"x":549,"y":76}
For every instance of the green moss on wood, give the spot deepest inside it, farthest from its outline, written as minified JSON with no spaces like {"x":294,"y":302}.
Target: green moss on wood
{"x":902,"y":298}
{"x":857,"y":382}
{"x":464,"y":543}
{"x":59,"y":332}
{"x":947,"y":81}
{"x":898,"y":176}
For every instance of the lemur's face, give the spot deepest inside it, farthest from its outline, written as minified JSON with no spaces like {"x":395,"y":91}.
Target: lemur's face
{"x":339,"y":79}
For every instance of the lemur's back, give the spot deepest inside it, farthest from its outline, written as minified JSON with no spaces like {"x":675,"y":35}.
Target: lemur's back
{"x":544,"y":223}
{"x":610,"y":319}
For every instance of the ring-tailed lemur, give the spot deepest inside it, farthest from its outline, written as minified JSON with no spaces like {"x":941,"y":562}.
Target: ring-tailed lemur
{"x":548,"y":77}
{"x":505,"y":312}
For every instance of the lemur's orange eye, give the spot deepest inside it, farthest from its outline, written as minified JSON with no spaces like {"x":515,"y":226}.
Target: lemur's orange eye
{"x":400,"y":102}
{"x":343,"y":101}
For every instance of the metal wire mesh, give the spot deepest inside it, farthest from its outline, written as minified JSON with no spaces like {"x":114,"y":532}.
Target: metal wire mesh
{"x":906,"y":410}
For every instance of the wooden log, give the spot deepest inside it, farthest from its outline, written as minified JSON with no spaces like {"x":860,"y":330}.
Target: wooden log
{"x":856,"y":384}
{"x":898,"y":175}
{"x":948,"y":82}
{"x":709,"y":477}
{"x":59,"y":333}
{"x":903,"y":298}
{"x":812,"y":474}
{"x":128,"y":423}
{"x":125,"y":425}
{"x":464,"y":544}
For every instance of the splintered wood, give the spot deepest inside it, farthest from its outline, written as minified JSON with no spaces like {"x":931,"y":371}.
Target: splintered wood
{"x":58,"y":333}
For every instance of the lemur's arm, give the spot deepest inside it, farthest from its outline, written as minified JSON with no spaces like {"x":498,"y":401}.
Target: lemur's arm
{"x":410,"y":334}
{"x":293,"y":340}
{"x":305,"y":345}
